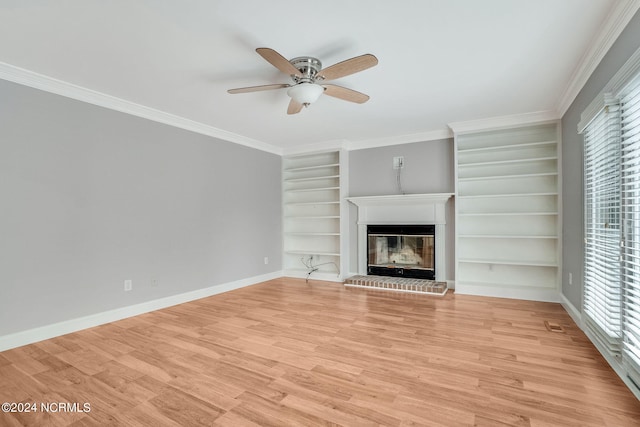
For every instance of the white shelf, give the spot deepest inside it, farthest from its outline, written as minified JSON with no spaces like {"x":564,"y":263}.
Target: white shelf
{"x":306,"y":190}
{"x":509,"y":262}
{"x":312,"y":185}
{"x":533,"y":286}
{"x":312,"y":217}
{"x":308,"y":168}
{"x":325,"y":272}
{"x":470,"y":214}
{"x":303,"y":233}
{"x":513,"y":176}
{"x":506,"y":147}
{"x":504,"y":236}
{"x":311,"y":203}
{"x":311,"y":252}
{"x":507,"y":230}
{"x":479,"y":196}
{"x":315,"y":178}
{"x":506,"y":162}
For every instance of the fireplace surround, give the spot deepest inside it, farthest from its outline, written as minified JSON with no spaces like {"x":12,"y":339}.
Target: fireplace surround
{"x":405,"y":209}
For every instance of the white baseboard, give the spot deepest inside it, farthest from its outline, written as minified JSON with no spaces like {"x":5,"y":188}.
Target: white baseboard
{"x":316,"y":275}
{"x":615,"y":364}
{"x":525,"y":293}
{"x":575,"y":314}
{"x":30,"y":336}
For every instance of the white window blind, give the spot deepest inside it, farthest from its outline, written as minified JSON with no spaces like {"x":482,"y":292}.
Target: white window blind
{"x":602,"y":291}
{"x":630,"y":146}
{"x":611,"y":297}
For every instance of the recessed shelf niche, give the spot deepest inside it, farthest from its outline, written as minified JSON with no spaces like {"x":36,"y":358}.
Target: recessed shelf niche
{"x":507,"y":212}
{"x":312,"y":204}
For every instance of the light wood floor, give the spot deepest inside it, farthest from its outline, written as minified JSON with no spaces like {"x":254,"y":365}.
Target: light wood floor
{"x":289,"y":353}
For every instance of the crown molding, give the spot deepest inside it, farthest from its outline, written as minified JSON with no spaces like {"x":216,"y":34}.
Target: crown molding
{"x":612,"y":91}
{"x":616,"y":22}
{"x":433,"y":135}
{"x":38,"y":81}
{"x":503,"y":122}
{"x":317,"y":147}
{"x":345,"y":144}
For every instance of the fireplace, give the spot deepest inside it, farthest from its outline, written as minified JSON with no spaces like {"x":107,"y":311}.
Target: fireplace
{"x":395,"y":210}
{"x":401,"y":251}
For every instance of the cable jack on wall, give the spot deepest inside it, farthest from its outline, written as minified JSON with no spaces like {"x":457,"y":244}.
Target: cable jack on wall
{"x":398,"y":164}
{"x":312,"y":267}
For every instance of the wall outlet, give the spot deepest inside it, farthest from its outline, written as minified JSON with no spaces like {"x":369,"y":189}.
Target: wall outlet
{"x":128,"y":285}
{"x":154,"y":283}
{"x":398,"y":162}
{"x":266,"y":260}
{"x":571,"y":278}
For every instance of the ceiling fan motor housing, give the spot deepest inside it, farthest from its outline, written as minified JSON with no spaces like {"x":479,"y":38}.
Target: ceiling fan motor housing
{"x":308,"y":67}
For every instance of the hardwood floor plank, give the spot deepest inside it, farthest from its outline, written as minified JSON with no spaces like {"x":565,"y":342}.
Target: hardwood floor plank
{"x":266,"y":412}
{"x":185,"y":409}
{"x":340,"y":412}
{"x":432,"y":412}
{"x":287,"y":352}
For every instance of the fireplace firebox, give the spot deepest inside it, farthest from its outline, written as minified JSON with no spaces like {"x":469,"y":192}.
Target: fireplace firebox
{"x":401,"y":251}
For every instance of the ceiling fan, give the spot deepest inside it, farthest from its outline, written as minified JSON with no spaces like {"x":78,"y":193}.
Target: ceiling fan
{"x":309,"y":77}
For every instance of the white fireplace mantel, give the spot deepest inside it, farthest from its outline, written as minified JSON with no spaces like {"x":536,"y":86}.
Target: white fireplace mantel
{"x":403,"y":209}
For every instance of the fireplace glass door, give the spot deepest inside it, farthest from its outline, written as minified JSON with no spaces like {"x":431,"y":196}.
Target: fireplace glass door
{"x":401,"y":250}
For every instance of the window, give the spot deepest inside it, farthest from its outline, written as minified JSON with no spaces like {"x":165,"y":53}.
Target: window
{"x":611,"y":303}
{"x":602,"y":227}
{"x":630,"y":140}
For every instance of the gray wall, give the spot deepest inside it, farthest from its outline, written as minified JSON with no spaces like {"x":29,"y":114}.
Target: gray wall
{"x":572,"y":157}
{"x":428,"y":169}
{"x":91,"y":197}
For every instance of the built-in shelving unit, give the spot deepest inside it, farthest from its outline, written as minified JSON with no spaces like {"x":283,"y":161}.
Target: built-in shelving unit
{"x":312,"y":195}
{"x":508,"y":213}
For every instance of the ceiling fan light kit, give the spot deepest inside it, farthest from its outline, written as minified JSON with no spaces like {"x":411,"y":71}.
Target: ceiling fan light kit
{"x":305,"y":93}
{"x":306,"y":72}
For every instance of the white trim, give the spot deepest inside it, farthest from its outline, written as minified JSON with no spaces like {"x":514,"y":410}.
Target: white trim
{"x":503,"y":122}
{"x":349,"y":145}
{"x":317,"y":147}
{"x":30,"y":336}
{"x":609,"y":94}
{"x":405,"y":200}
{"x":403,"y":209}
{"x":559,"y":206}
{"x":434,"y":135}
{"x":571,"y":309}
{"x":316,"y":275}
{"x":615,"y":23}
{"x":345,"y":253}
{"x":69,"y":90}
{"x":497,"y":291}
{"x":451,"y":284}
{"x":613,"y":362}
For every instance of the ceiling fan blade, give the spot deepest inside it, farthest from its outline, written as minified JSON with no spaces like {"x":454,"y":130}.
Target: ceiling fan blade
{"x":350,"y":66}
{"x":294,"y":107}
{"x":278,"y":61}
{"x":257,"y":88}
{"x":345,"y":94}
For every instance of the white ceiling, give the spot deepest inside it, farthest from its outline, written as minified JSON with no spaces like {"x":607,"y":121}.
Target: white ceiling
{"x":440,"y":61}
